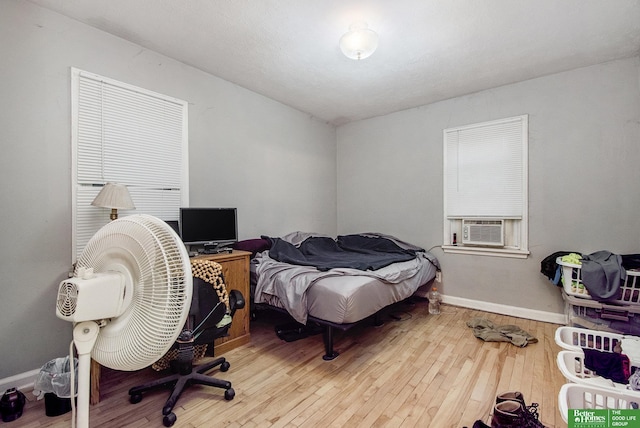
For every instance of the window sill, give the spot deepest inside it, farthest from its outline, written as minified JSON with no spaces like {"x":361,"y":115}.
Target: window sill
{"x":486,"y":251}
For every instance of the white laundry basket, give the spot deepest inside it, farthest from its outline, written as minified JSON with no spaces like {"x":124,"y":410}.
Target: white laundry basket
{"x":581,"y":396}
{"x":571,"y":365}
{"x":576,"y":339}
{"x":594,"y":315}
{"x":572,"y":284}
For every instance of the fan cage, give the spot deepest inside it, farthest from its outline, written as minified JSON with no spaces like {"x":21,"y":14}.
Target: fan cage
{"x":155,"y":259}
{"x":67,"y":299}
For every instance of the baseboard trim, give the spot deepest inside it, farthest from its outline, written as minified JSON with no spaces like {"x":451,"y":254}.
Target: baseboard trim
{"x":22,"y":381}
{"x":533,"y":314}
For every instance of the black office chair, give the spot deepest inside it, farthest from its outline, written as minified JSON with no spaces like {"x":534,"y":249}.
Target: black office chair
{"x":208,"y":309}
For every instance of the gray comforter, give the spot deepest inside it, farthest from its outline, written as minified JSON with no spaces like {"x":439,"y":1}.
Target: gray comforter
{"x":289,"y":283}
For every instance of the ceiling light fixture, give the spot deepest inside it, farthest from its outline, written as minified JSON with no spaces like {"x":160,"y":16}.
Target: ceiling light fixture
{"x":360,"y":42}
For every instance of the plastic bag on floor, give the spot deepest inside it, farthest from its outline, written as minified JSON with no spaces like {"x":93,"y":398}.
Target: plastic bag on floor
{"x":55,"y":377}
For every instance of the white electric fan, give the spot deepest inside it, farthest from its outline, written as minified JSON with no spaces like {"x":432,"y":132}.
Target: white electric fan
{"x":129,"y":298}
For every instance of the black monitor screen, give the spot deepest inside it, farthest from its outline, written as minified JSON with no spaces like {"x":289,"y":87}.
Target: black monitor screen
{"x":208,"y":225}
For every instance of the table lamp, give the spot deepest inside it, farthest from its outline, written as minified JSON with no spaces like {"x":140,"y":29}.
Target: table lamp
{"x":114,"y":196}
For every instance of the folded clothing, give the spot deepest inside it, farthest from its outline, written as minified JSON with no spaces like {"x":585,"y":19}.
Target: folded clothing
{"x":610,"y":365}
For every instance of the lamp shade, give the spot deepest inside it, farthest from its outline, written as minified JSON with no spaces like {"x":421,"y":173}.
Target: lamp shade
{"x":360,"y":42}
{"x":114,"y":195}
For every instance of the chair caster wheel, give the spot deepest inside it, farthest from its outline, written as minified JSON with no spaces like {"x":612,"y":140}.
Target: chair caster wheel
{"x":229,"y":394}
{"x":225,"y":366}
{"x":169,"y":419}
{"x":135,"y":398}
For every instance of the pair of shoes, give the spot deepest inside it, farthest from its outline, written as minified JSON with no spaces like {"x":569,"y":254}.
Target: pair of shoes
{"x":511,"y":395}
{"x":511,"y":411}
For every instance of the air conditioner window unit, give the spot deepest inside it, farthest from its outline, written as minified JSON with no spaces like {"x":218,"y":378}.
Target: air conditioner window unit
{"x":483,"y":232}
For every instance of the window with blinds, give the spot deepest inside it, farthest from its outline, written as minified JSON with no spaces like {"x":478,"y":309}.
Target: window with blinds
{"x":127,"y":135}
{"x":485,"y":178}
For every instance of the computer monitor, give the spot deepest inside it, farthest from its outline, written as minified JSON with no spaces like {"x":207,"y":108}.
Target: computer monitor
{"x":212,"y":227}
{"x":175,"y":225}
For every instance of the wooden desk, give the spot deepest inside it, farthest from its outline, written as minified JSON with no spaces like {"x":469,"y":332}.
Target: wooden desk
{"x":235,"y":269}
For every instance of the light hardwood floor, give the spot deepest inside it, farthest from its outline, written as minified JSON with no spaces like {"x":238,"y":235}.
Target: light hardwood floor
{"x":420,"y":371}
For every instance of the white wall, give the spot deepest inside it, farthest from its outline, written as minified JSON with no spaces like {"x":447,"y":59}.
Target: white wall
{"x":276,"y":164}
{"x":584,"y":171}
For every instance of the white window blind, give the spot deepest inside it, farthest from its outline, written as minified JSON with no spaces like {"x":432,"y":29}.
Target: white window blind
{"x":131,"y":136}
{"x":485,"y":178}
{"x":485,"y":169}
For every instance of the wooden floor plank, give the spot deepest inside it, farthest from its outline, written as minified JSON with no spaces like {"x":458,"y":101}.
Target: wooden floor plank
{"x":422,"y":371}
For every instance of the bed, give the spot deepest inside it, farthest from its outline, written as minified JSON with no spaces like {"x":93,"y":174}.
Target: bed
{"x":337,"y":282}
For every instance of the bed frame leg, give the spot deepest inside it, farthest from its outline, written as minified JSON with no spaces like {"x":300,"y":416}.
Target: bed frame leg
{"x":327,"y":337}
{"x":377,"y":319}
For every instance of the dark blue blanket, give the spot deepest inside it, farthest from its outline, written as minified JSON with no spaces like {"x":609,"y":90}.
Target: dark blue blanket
{"x":347,"y":251}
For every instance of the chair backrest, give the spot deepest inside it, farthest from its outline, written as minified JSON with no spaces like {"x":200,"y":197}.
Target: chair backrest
{"x":206,"y":311}
{"x":210,"y":301}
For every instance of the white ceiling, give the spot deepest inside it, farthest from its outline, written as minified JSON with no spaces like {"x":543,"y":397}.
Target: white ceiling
{"x":429,"y":50}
